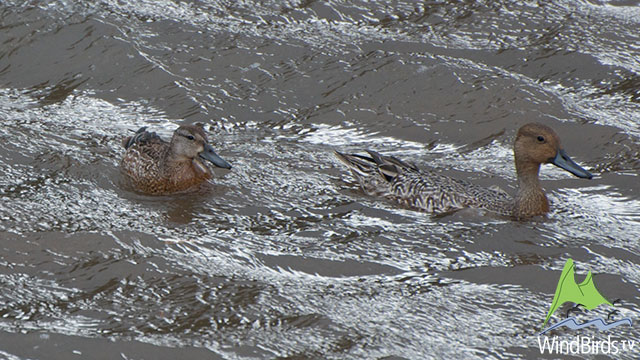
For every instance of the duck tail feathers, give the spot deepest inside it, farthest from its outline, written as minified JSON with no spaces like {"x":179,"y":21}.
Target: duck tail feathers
{"x":141,"y":136}
{"x":361,"y":166}
{"x":377,"y":166}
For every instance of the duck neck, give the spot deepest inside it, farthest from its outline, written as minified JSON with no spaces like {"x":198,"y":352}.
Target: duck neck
{"x":178,"y":167}
{"x":530,"y":199}
{"x":172,"y":163}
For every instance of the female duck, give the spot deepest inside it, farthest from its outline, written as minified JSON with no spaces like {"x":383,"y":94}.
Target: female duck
{"x":153,"y":166}
{"x":429,"y":191}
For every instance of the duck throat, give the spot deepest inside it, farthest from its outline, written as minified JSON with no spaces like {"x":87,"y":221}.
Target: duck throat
{"x":530,"y":199}
{"x":201,"y":168}
{"x":181,"y":169}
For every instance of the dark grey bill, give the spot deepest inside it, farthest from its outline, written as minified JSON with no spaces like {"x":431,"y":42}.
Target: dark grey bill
{"x":209,"y":154}
{"x":562,"y":160}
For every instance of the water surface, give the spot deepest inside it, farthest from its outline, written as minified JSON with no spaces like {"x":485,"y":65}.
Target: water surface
{"x":284,"y":256}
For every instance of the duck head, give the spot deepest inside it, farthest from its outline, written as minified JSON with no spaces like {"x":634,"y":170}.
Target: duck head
{"x":538,"y":144}
{"x":190,"y":142}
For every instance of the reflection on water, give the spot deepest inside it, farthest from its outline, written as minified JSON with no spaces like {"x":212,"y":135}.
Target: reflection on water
{"x":284,"y":256}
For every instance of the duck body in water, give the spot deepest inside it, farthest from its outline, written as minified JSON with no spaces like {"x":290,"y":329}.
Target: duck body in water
{"x":153,"y":166}
{"x":429,"y":191}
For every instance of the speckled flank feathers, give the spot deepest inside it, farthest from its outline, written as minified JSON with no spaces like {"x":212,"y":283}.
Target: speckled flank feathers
{"x":153,"y":166}
{"x":432,"y":192}
{"x":421,"y":189}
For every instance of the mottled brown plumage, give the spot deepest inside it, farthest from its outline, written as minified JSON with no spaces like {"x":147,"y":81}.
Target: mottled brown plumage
{"x":153,"y":166}
{"x":432,"y":192}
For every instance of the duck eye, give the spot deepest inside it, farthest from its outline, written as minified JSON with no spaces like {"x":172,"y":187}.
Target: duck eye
{"x":541,"y":138}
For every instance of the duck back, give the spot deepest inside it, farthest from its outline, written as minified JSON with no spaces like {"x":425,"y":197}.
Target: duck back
{"x":425,"y":190}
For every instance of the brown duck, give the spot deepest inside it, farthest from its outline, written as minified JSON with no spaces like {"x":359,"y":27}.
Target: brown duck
{"x":432,"y":192}
{"x":153,"y":166}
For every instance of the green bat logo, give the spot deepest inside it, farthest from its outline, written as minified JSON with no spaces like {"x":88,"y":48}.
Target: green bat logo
{"x":568,"y":290}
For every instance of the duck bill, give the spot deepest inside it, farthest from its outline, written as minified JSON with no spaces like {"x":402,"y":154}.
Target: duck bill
{"x":210,"y":155}
{"x":562,"y":160}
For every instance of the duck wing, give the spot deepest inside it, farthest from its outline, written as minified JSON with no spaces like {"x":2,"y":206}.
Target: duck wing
{"x":425,"y":190}
{"x":374,"y":172}
{"x":141,"y":137}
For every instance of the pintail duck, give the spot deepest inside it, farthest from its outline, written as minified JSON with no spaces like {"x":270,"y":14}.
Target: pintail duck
{"x":429,"y":191}
{"x":153,"y":166}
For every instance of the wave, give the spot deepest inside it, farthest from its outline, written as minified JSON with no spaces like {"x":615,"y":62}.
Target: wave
{"x":599,"y":323}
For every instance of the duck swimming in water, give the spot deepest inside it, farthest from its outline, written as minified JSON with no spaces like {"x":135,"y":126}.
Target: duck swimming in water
{"x":156,"y":167}
{"x":429,"y":191}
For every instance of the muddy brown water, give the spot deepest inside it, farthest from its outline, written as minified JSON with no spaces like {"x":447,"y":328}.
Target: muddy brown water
{"x":283,"y":256}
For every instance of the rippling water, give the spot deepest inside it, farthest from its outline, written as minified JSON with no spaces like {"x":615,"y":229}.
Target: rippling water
{"x":284,"y":256}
